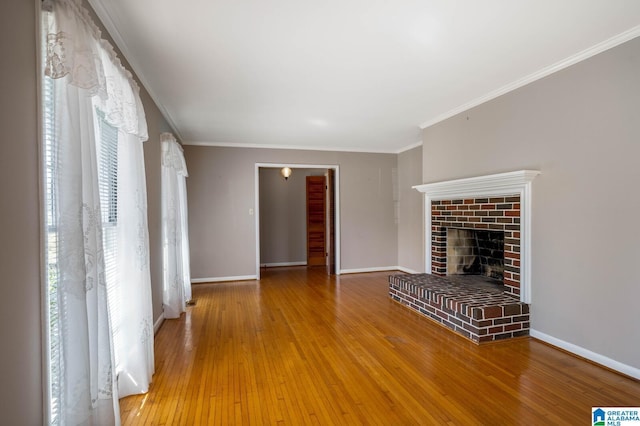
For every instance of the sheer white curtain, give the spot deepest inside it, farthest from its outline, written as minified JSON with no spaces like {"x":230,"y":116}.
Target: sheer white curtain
{"x":175,"y":235}
{"x":96,"y":315}
{"x":130,"y":293}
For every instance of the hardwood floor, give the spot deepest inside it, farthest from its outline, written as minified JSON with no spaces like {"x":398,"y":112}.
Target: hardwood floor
{"x":299,"y":347}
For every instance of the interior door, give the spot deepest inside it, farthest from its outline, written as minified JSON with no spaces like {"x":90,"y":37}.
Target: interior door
{"x":330,"y":223}
{"x":316,"y":247}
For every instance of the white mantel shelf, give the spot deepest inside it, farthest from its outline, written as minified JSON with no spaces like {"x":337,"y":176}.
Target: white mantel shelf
{"x":489,"y":185}
{"x":501,"y":184}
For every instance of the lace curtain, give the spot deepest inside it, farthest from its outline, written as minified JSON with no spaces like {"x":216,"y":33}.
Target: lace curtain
{"x":130,"y":292}
{"x":175,"y":238}
{"x":90,"y":307}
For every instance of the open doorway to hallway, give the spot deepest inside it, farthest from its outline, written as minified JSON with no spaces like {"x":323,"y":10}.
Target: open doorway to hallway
{"x":287,"y":234}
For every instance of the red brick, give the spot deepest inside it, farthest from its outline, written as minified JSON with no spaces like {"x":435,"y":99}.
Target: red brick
{"x":511,"y":283}
{"x":442,"y":315}
{"x":492,"y":312}
{"x":512,"y":255}
{"x":494,"y":330}
{"x":512,"y":327}
{"x":512,"y":213}
{"x":488,"y":207}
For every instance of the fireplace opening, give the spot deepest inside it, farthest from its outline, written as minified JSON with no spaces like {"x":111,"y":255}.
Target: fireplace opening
{"x":476,"y":253}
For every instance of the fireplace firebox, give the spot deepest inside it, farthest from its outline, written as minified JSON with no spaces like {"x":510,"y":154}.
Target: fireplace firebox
{"x":476,"y":252}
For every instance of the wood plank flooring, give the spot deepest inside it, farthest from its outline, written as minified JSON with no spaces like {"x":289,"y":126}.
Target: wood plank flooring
{"x":298,"y":347}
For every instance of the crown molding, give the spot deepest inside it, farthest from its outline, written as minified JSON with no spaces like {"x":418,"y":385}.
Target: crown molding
{"x":544,"y":72}
{"x":408,"y":147}
{"x":296,"y":147}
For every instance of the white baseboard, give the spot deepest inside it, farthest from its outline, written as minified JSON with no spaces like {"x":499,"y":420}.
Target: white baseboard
{"x":374,"y":269}
{"x":157,"y":324}
{"x":407,"y":270}
{"x":277,"y":264}
{"x":220,"y":279}
{"x":586,"y":353}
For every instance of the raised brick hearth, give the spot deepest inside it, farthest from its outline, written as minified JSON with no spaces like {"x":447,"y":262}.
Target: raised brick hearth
{"x":479,"y":312}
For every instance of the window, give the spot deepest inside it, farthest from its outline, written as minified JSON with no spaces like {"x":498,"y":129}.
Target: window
{"x":108,"y":169}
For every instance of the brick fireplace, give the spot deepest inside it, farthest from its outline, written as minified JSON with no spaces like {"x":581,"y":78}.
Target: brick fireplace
{"x":499,"y":214}
{"x":489,"y":220}
{"x":499,"y":202}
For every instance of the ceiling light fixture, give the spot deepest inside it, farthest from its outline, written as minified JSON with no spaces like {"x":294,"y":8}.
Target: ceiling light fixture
{"x":285,"y":172}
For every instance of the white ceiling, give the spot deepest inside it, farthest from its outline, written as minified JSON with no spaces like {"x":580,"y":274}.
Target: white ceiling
{"x":361,"y":75}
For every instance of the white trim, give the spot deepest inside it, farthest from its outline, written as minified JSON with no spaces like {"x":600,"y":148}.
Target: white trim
{"x":158,"y":323}
{"x":511,"y":183}
{"x":372,"y":269}
{"x":406,"y":270}
{"x":279,"y":264}
{"x":221,"y":279}
{"x":408,"y":147}
{"x":336,"y":195}
{"x":544,"y":72}
{"x":586,"y":353}
{"x":294,"y":147}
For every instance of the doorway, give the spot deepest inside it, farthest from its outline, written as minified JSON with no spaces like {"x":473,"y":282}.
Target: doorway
{"x":282,"y":223}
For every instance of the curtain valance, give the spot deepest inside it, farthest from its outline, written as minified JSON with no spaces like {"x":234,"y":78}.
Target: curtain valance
{"x":172,"y":154}
{"x":76,"y":51}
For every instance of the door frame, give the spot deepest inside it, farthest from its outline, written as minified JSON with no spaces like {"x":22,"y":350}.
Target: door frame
{"x":336,"y":196}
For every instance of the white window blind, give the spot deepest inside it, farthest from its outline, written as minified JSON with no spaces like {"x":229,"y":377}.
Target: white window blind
{"x":51,"y":243}
{"x":108,"y":187}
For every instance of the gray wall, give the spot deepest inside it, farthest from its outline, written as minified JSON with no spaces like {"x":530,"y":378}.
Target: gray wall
{"x":221,"y":193}
{"x":410,"y":211}
{"x":283,"y":215}
{"x":20,"y":313}
{"x":580,"y":127}
{"x":21,"y":358}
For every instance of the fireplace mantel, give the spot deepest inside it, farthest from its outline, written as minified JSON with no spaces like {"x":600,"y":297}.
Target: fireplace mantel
{"x":502,"y":184}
